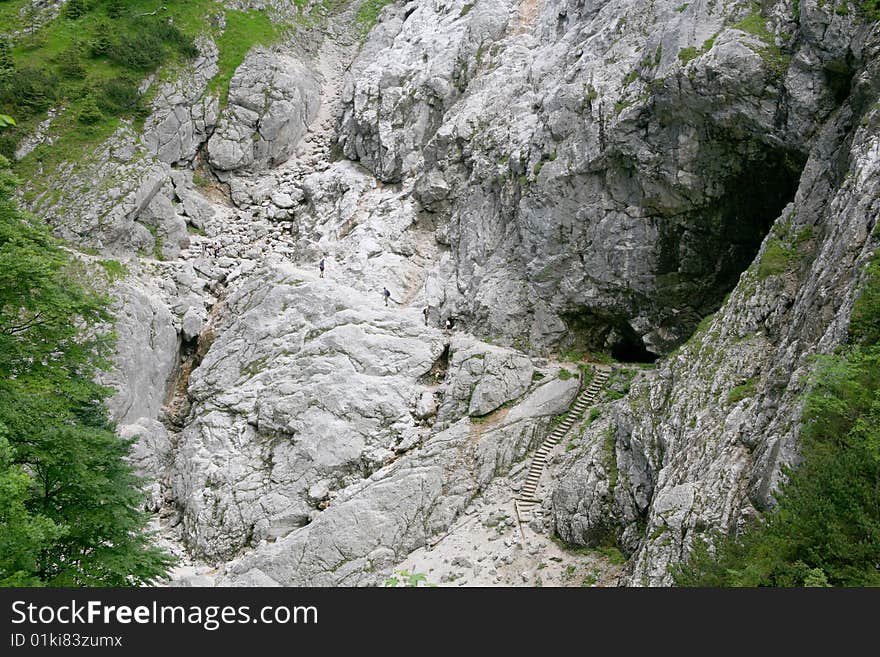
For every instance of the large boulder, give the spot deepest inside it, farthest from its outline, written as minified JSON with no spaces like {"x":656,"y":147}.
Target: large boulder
{"x":272,"y":99}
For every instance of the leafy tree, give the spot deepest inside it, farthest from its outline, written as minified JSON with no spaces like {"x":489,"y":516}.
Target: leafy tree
{"x":23,"y":534}
{"x":29,"y":89}
{"x":70,"y":504}
{"x":119,"y":96}
{"x":114,"y":8}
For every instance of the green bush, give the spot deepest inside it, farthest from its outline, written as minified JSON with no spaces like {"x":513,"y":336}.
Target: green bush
{"x":6,"y":55}
{"x":69,"y":64}
{"x":75,"y":9}
{"x":102,"y":38}
{"x":119,"y":97}
{"x":871,"y":9}
{"x":28,"y":90}
{"x":148,"y":43}
{"x":89,"y":113}
{"x":114,"y":8}
{"x":141,"y":52}
{"x":864,"y":326}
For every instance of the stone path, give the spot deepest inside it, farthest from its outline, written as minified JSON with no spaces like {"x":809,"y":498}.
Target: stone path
{"x":527,"y":500}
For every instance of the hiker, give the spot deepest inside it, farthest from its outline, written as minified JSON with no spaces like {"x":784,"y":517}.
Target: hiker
{"x":425,"y":311}
{"x":450,"y":323}
{"x":321,"y":267}
{"x":386,"y":294}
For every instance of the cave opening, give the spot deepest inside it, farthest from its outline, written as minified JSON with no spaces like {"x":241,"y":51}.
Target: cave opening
{"x":756,"y":197}
{"x":630,"y":348}
{"x":701,"y":255}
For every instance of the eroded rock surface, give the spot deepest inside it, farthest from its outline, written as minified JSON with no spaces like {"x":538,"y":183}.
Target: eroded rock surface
{"x":553,"y":175}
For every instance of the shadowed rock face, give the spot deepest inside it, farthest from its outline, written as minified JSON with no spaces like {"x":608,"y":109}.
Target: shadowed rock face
{"x":555,"y":175}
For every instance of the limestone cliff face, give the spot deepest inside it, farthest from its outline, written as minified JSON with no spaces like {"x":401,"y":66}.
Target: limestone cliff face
{"x":556,"y":175}
{"x":624,"y":160}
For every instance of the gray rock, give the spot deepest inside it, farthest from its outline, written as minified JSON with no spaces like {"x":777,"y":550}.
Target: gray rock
{"x":272,"y":99}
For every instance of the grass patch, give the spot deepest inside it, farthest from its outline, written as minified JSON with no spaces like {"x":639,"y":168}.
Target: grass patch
{"x":368,"y":13}
{"x":775,"y":260}
{"x":742,"y":391}
{"x":756,"y":25}
{"x":565,"y":374}
{"x":688,"y":54}
{"x":244,"y":30}
{"x":114,"y":269}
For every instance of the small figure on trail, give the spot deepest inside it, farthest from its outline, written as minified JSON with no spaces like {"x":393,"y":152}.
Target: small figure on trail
{"x":450,"y":323}
{"x":386,"y":294}
{"x":321,"y":267}
{"x":425,"y":311}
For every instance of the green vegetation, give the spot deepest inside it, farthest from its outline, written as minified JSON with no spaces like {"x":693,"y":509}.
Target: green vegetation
{"x":244,"y":30}
{"x":825,"y":528}
{"x":742,"y":391}
{"x":864,"y":327}
{"x":785,"y":249}
{"x":775,"y":260}
{"x":90,"y":62}
{"x":368,"y":13}
{"x":756,"y":24}
{"x":69,"y":500}
{"x":621,"y":105}
{"x":114,"y":269}
{"x":607,"y":550}
{"x":871,"y":9}
{"x":688,"y":54}
{"x":406,"y":578}
{"x":692,"y":52}
{"x":565,"y":374}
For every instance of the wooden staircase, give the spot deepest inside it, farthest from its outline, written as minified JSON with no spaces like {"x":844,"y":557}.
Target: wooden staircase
{"x":526,"y":499}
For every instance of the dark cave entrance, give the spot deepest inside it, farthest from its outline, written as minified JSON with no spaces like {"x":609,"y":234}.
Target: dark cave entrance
{"x":597,"y":332}
{"x":630,"y":348}
{"x":756,"y":197}
{"x":702,"y":255}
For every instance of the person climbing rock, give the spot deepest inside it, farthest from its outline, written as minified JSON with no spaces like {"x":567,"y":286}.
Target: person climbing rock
{"x":450,"y":324}
{"x":386,"y":294}
{"x":425,"y":312}
{"x":321,"y":267}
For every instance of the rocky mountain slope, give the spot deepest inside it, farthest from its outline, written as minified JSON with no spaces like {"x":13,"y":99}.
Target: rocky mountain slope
{"x":558,"y":176}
